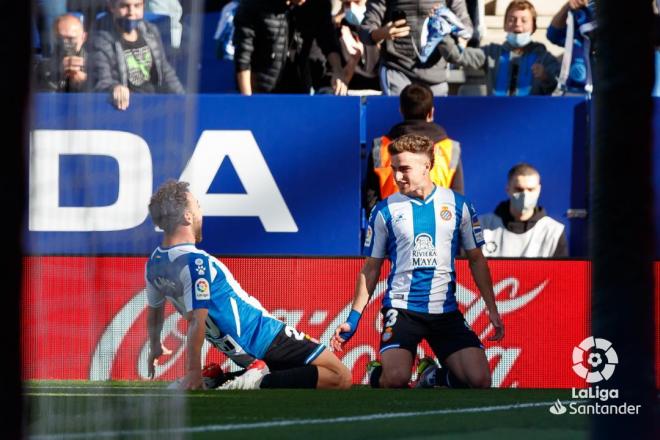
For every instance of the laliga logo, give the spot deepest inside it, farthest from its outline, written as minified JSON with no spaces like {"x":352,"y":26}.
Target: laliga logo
{"x":600,"y":357}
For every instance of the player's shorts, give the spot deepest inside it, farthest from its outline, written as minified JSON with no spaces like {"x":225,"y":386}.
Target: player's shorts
{"x":292,"y":348}
{"x":446,"y":333}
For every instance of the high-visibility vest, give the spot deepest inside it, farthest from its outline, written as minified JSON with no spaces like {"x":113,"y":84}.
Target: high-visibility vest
{"x":446,"y":153}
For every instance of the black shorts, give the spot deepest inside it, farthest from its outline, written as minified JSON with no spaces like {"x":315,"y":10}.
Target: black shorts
{"x":292,"y":348}
{"x":446,"y":333}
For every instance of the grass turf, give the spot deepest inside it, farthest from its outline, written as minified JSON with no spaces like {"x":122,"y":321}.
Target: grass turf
{"x":147,"y":410}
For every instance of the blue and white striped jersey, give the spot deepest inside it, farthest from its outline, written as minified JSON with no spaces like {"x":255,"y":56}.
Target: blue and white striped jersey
{"x":190,"y":278}
{"x":421,"y":239}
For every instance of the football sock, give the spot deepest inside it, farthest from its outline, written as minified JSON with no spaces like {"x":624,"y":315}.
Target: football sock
{"x":301,"y":377}
{"x":374,"y":379}
{"x":445,"y":378}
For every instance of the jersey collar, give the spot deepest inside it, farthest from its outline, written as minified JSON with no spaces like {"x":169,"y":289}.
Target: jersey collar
{"x":426,"y":200}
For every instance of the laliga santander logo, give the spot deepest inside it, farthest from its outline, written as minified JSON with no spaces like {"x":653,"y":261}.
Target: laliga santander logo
{"x":599,"y":356}
{"x":121,"y":327}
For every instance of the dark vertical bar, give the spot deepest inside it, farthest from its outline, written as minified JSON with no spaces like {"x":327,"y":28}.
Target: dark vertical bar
{"x":15,"y":52}
{"x":622,"y":207}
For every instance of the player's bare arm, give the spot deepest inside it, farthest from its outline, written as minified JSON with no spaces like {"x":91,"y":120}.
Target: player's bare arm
{"x":364,"y":288}
{"x":196,"y":330}
{"x":155,"y":316}
{"x":481,"y":275}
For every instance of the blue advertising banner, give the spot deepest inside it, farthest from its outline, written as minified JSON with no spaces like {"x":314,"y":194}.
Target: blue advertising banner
{"x":274,"y":175}
{"x":496,"y":133}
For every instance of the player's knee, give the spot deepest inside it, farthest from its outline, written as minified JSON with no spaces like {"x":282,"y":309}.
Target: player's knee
{"x":395,"y":379}
{"x":341,"y":377}
{"x":480,"y":380}
{"x":345,"y":379}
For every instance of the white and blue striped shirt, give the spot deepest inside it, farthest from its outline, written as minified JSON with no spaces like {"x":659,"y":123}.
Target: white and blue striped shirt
{"x":190,"y":278}
{"x":421,"y":239}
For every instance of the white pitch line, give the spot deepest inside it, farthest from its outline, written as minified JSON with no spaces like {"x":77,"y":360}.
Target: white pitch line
{"x":296,"y":422}
{"x":170,"y":394}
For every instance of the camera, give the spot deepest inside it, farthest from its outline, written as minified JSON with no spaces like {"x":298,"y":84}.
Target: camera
{"x":398,"y":14}
{"x":68,"y":47}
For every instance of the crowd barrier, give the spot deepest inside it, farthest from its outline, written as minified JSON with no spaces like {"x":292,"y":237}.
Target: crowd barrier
{"x":276,"y":175}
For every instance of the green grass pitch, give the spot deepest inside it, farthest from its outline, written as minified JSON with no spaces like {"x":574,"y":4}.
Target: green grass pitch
{"x":71,"y":410}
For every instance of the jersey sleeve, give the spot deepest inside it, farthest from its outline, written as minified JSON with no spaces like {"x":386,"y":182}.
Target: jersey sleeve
{"x":196,"y":280}
{"x":155,"y":299}
{"x":472,"y":235}
{"x":375,"y":240}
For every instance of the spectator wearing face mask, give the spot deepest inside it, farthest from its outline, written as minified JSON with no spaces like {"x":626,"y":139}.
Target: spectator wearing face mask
{"x":519,"y":66}
{"x":66,"y":69}
{"x":129,"y":57}
{"x":519,"y":227}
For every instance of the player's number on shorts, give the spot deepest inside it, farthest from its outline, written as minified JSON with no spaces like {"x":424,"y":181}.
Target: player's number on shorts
{"x":293,"y":333}
{"x":390,"y":317}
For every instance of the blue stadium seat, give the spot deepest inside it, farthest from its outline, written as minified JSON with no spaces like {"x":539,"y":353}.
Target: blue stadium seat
{"x":215,"y":76}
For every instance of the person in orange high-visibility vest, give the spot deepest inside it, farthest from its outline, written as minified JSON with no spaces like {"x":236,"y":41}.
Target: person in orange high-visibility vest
{"x":416,"y":106}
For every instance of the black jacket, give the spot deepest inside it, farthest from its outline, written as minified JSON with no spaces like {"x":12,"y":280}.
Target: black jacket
{"x":401,"y":54}
{"x":270,"y":36}
{"x":109,"y":62}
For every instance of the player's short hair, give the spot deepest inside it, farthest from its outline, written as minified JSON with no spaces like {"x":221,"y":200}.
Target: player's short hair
{"x":416,"y":101}
{"x":168,"y":205}
{"x":522,"y":169}
{"x":521,"y":5}
{"x":412,"y":143}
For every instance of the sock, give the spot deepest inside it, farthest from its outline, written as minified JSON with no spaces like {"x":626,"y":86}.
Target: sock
{"x":301,"y":377}
{"x":444,"y":377}
{"x":374,"y":379}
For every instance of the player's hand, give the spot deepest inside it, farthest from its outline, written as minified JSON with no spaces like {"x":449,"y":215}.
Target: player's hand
{"x":496,"y":321}
{"x":337,"y":341}
{"x":192,"y":381}
{"x":120,"y":97}
{"x":155,"y":351}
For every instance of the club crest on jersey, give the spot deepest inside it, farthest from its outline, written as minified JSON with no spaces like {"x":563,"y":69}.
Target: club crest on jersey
{"x":445,"y":213}
{"x":202,"y":290}
{"x":368,"y":236}
{"x":199,"y":267}
{"x":423,"y":254}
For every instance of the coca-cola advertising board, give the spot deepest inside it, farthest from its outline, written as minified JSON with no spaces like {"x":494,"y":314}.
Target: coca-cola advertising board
{"x":85,"y":317}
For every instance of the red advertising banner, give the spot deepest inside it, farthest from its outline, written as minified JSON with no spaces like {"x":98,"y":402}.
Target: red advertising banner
{"x":85,"y":317}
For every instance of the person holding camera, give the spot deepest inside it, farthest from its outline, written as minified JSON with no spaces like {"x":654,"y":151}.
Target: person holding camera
{"x":400,"y":27}
{"x":66,"y":69}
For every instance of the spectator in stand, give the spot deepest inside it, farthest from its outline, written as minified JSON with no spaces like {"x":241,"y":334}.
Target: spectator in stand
{"x":272,"y":43}
{"x":519,"y":227}
{"x":571,"y":28}
{"x":519,"y":66}
{"x":129,"y":58}
{"x":400,"y":28}
{"x":360,"y":60}
{"x":47,"y":12}
{"x":66,"y":69}
{"x":416,"y":107}
{"x":174,"y":10}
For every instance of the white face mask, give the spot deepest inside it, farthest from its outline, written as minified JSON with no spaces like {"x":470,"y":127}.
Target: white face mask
{"x":524,"y":201}
{"x":519,"y":40}
{"x":354,"y":14}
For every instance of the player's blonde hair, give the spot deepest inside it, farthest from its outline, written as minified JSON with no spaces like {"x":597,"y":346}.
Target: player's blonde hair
{"x":412,"y":143}
{"x":168,"y":205}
